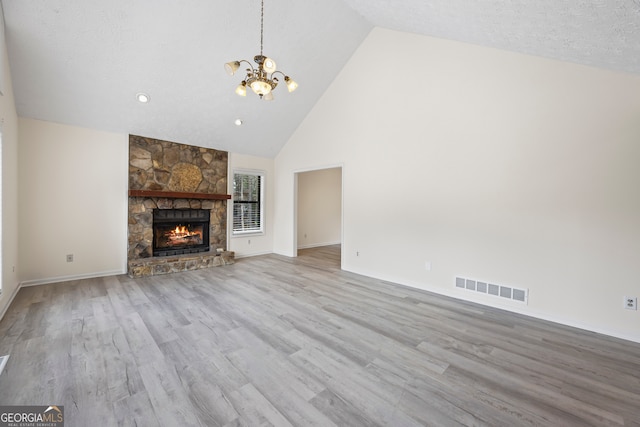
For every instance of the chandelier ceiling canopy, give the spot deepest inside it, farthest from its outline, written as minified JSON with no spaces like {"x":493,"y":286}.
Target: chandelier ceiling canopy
{"x":262,"y":78}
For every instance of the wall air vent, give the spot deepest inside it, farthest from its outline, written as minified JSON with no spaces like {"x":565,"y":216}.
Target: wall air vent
{"x":500,"y":291}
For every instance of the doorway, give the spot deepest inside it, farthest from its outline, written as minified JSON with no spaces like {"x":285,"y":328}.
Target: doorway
{"x":318,"y":221}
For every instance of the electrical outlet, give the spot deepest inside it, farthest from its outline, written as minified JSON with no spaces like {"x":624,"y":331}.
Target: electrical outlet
{"x":70,"y":258}
{"x":631,"y":303}
{"x":427,"y":265}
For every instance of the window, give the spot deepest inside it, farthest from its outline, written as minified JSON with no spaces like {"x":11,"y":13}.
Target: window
{"x":248,"y":212}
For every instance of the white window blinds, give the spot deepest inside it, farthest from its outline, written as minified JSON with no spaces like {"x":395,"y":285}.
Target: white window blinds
{"x":247,"y":202}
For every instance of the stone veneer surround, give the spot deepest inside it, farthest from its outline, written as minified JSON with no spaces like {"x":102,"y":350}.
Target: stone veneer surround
{"x":168,"y":166}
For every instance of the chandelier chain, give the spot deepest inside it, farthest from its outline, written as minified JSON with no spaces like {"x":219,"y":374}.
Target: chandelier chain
{"x":261,"y":26}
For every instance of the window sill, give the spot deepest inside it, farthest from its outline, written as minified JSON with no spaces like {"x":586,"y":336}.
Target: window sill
{"x":247,"y":234}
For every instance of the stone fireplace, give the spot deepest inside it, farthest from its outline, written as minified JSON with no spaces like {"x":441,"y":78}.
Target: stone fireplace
{"x":177,"y":207}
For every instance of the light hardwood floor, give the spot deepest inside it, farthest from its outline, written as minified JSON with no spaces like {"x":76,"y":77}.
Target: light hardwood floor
{"x":279,"y":341}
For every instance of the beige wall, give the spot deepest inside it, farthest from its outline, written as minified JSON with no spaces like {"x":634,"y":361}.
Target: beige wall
{"x":487,"y":164}
{"x":257,"y":244}
{"x":73,"y":200}
{"x":319,"y":208}
{"x":67,"y":171}
{"x":9,"y":129}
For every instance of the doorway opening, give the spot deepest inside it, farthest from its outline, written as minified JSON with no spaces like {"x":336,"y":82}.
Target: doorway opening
{"x":319,"y":212}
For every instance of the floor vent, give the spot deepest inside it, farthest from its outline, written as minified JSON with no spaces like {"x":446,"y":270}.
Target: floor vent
{"x":3,"y":361}
{"x":484,"y":287}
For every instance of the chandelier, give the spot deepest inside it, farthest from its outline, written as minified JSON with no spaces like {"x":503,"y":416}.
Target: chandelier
{"x":261,"y":79}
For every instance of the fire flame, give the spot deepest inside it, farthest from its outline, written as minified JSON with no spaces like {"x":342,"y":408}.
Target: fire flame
{"x":180,"y":232}
{"x":181,"y":235}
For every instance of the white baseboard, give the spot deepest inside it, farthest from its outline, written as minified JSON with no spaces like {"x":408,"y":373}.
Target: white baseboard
{"x":252,"y":254}
{"x":59,"y":279}
{"x":318,"y":245}
{"x":519,"y":309}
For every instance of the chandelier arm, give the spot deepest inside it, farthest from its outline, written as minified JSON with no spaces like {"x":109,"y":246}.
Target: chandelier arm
{"x":248,"y":63}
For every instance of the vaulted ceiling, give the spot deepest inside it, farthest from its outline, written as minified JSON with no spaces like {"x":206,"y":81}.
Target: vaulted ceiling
{"x":81,"y":62}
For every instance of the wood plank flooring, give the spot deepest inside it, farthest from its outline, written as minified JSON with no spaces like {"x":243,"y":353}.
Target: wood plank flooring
{"x":275,"y":341}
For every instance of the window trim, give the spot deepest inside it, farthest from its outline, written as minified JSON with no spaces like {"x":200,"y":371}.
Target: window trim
{"x":263,"y":179}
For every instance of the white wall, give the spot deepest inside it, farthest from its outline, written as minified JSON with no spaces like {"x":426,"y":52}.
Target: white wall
{"x":9,"y":129}
{"x":488,"y":164}
{"x":73,"y":200}
{"x":319,"y":208}
{"x":252,"y":244}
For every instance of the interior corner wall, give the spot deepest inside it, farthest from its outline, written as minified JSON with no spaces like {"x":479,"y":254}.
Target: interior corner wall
{"x":73,"y":200}
{"x":9,"y":129}
{"x":254,"y":244}
{"x":485,"y":164}
{"x":319,"y":208}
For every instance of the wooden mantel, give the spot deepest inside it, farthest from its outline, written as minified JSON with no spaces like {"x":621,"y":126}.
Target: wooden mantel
{"x":178,"y":195}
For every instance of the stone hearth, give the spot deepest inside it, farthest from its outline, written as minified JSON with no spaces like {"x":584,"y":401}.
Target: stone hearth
{"x":173,"y":264}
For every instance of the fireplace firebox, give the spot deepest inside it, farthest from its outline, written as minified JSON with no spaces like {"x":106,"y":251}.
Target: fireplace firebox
{"x":180,"y":231}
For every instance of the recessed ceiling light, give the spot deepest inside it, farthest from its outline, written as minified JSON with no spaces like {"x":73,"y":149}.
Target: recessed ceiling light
{"x":143,"y":97}
{"x":238,"y":122}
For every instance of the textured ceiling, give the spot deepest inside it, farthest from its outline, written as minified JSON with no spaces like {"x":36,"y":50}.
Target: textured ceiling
{"x":81,"y":62}
{"x":600,"y":33}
